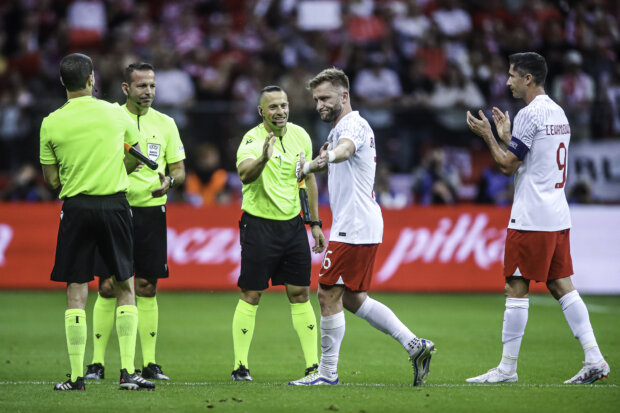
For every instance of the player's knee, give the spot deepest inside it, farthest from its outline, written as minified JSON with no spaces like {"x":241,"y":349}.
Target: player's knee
{"x":146,"y":287}
{"x":106,"y":288}
{"x":516,"y":287}
{"x":251,"y":296}
{"x":560,"y":287}
{"x":298,"y":295}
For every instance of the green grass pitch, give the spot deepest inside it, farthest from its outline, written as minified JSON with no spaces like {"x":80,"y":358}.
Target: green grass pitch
{"x":195,"y":349}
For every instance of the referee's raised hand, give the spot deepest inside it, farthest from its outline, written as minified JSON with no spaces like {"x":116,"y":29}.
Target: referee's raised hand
{"x":268,"y":146}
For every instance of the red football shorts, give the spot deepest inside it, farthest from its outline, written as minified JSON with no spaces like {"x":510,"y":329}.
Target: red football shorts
{"x":348,"y":264}
{"x":540,"y":256}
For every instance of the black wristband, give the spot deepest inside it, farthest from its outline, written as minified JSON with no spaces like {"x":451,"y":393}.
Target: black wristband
{"x":319,"y":223}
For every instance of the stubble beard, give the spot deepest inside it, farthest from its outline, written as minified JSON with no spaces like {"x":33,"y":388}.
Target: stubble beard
{"x":332,"y":114}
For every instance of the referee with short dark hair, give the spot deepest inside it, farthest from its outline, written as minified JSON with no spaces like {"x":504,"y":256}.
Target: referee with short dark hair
{"x":82,"y":151}
{"x":274,"y":242}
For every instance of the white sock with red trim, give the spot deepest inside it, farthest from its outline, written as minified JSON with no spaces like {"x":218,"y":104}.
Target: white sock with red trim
{"x":515,"y":319}
{"x":578,"y":319}
{"x":383,"y":319}
{"x":332,"y":333}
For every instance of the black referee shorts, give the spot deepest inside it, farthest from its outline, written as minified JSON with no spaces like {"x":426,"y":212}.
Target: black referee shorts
{"x":90,"y":223}
{"x":276,"y":250}
{"x":150,"y":250}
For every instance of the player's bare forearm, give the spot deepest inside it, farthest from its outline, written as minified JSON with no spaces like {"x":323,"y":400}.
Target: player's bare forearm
{"x":507,"y":162}
{"x":343,"y":151}
{"x":313,"y":197}
{"x":250,"y":169}
{"x":51,"y":175}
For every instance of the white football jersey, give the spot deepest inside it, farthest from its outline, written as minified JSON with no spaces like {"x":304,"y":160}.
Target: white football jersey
{"x":539,"y":199}
{"x":356,"y":214}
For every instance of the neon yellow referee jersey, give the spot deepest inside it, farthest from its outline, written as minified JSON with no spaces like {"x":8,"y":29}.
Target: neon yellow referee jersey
{"x":85,"y":139}
{"x":274,"y":194}
{"x":160,"y":141}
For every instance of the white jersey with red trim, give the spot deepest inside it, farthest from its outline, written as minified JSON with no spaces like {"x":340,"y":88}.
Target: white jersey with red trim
{"x":539,"y":199}
{"x":356,"y":214}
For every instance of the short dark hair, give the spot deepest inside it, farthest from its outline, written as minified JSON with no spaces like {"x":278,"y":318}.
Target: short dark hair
{"x":74,"y":71}
{"x":269,"y":89}
{"x":532,"y":63}
{"x":138,"y":66}
{"x":333,"y":75}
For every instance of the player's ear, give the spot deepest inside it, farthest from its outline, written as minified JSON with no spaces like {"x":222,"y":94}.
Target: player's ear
{"x":345,"y":96}
{"x":260,"y":111}
{"x":125,"y":88}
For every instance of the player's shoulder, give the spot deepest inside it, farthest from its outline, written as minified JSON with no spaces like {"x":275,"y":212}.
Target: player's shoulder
{"x":538,"y":110}
{"x":162,"y":117}
{"x":353,"y":123}
{"x":297,"y":130}
{"x":253,"y":135}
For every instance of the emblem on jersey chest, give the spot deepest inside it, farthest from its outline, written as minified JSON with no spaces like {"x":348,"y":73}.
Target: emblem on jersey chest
{"x":153,"y":150}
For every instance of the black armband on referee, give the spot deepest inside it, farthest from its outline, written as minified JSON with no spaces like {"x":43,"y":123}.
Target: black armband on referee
{"x":319,"y":223}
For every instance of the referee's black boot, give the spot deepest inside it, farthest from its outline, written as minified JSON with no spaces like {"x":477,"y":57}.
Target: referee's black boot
{"x":95,"y":371}
{"x":241,"y":374}
{"x":134,"y":382}
{"x":78,"y":384}
{"x":153,"y":371}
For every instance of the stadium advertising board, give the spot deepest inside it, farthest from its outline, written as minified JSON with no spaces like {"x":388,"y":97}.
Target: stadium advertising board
{"x":450,"y":249}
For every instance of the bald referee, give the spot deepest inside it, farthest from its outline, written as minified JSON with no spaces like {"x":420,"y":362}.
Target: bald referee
{"x":82,"y":152}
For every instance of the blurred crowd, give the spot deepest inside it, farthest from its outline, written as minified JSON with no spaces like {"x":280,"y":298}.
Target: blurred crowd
{"x":415,"y":67}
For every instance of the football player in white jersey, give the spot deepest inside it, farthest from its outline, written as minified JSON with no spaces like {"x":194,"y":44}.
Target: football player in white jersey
{"x":537,"y":243}
{"x":349,"y":155}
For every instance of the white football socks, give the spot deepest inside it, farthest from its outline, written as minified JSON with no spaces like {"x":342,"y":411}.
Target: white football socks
{"x":515,"y":319}
{"x":383,"y":319}
{"x":578,"y":319}
{"x":332,"y":333}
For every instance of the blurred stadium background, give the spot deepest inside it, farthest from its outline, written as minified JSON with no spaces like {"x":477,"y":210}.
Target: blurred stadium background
{"x":415,"y":66}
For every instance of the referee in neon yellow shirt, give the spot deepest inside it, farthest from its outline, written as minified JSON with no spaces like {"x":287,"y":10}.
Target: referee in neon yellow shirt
{"x":82,"y":152}
{"x":160,"y":139}
{"x":274,"y":244}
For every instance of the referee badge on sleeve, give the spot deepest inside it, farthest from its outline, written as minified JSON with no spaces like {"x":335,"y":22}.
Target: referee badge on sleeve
{"x":153,"y":150}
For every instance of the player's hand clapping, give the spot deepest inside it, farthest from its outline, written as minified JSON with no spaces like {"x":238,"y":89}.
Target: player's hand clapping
{"x":480,"y":127}
{"x":502,"y":123}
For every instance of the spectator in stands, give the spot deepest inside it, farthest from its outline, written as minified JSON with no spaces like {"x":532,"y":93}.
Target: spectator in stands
{"x":15,"y":124}
{"x":175,"y":89}
{"x":206,"y":179}
{"x":494,"y":187}
{"x":453,"y":95}
{"x":410,"y":27}
{"x":87,"y":22}
{"x":435,"y":181}
{"x":574,"y":91}
{"x":386,"y":196}
{"x":26,"y":185}
{"x":613,"y":100}
{"x":455,"y":24}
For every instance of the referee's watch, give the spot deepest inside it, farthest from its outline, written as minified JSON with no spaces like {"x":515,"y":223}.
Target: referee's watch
{"x":171,"y":180}
{"x":319,"y":223}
